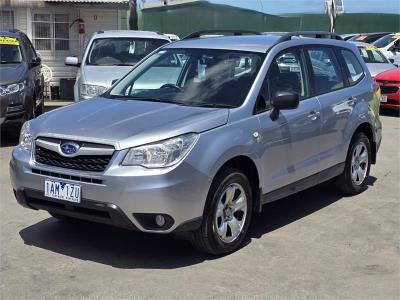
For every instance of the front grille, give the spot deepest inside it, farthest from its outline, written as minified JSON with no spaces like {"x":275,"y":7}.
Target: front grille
{"x":389,"y":89}
{"x":92,"y":163}
{"x":70,"y":177}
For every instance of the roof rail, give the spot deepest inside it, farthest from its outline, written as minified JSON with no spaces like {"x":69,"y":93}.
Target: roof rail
{"x":198,"y":34}
{"x":314,"y":34}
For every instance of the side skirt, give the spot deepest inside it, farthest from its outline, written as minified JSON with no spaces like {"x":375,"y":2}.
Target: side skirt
{"x":303,"y":184}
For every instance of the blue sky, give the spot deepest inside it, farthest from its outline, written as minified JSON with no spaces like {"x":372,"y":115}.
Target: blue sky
{"x":313,"y":6}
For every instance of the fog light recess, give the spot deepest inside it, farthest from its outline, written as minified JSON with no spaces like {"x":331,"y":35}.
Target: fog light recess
{"x":154,"y":221}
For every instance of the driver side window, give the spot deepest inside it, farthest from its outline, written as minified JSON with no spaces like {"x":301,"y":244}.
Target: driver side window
{"x":287,"y":73}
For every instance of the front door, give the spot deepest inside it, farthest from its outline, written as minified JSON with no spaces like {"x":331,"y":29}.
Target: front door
{"x":290,"y":144}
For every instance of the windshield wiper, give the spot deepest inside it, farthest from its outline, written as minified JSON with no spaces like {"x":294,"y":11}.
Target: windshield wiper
{"x":211,"y":105}
{"x":144,"y":98}
{"x":9,"y":62}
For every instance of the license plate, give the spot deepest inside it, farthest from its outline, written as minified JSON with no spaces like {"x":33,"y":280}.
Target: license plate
{"x":62,"y":190}
{"x":383,"y":98}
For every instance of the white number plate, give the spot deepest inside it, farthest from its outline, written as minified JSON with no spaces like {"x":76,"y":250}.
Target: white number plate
{"x":383,"y":98}
{"x":62,"y":190}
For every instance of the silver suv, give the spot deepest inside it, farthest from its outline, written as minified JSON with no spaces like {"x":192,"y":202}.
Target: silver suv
{"x":202,"y":133}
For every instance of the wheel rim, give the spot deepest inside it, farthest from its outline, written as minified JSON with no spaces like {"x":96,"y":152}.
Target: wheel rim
{"x":231,"y":213}
{"x":359,"y":163}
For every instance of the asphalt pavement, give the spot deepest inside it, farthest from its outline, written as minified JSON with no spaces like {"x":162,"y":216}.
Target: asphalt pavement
{"x":316,"y":244}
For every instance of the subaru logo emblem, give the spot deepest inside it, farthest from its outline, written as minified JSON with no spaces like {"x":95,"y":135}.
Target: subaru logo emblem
{"x":69,"y":148}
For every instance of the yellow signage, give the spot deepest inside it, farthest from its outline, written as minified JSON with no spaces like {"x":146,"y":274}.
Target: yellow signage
{"x":371,"y":48}
{"x":6,"y":40}
{"x":361,"y":38}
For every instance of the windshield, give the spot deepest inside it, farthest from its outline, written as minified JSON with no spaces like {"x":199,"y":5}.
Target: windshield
{"x":9,"y":50}
{"x":194,"y":77}
{"x":372,"y":55}
{"x":386,"y":40}
{"x":121,"y":51}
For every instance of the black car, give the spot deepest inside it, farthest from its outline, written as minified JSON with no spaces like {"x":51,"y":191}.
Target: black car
{"x":21,"y":79}
{"x":368,"y":37}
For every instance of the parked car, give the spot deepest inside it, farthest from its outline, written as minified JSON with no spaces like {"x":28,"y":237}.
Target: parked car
{"x":368,"y":37}
{"x":243,"y":121}
{"x":389,"y":45}
{"x":172,"y":37}
{"x":21,"y":80}
{"x":375,"y":60}
{"x":389,"y":82}
{"x":109,"y":55}
{"x":348,"y":36}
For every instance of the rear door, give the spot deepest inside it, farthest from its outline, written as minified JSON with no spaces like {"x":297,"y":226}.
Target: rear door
{"x":330,"y":85}
{"x":290,"y":144}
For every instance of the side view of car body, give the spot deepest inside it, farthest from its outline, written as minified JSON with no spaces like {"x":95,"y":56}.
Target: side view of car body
{"x":109,"y":55}
{"x":389,"y":82}
{"x":235,"y":122}
{"x":21,"y":79}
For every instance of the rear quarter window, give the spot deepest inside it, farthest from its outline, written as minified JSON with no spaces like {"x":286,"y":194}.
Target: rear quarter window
{"x":354,"y":69}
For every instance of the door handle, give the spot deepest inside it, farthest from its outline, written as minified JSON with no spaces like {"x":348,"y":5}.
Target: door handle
{"x":351,"y":101}
{"x":313,"y":115}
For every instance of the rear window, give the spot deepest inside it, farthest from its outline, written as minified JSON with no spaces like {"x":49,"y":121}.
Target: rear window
{"x":372,"y":55}
{"x":354,"y":68}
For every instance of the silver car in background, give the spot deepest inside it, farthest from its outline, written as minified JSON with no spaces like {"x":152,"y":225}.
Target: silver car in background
{"x":202,"y":133}
{"x":374,"y":59}
{"x":108,"y":56}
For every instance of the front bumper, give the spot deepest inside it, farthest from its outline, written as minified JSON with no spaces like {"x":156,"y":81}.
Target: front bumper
{"x":12,"y":107}
{"x":124,"y":193}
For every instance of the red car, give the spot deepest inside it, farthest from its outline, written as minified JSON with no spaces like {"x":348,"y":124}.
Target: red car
{"x":389,"y":82}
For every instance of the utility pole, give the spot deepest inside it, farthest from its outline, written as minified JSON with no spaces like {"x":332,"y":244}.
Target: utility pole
{"x":133,"y":15}
{"x":334,"y":8}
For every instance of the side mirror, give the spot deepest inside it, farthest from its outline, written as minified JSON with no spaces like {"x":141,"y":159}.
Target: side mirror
{"x":391,"y":60}
{"x":283,"y":101}
{"x":36,"y":61}
{"x":72,"y":61}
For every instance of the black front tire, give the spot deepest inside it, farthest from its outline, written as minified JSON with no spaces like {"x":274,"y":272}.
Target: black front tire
{"x":206,"y":238}
{"x":344,"y":182}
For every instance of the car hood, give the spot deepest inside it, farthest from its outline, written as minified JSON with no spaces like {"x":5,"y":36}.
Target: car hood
{"x":390,"y":75}
{"x":103,"y":75}
{"x":12,"y":73}
{"x":375,"y":69}
{"x":126,"y":123}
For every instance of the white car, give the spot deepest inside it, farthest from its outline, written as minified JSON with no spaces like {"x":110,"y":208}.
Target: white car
{"x":109,"y":55}
{"x":389,"y":45}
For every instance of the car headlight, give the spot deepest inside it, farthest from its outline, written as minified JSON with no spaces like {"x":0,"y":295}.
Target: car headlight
{"x":161,"y":154}
{"x":11,"y":88}
{"x":89,"y":90}
{"x":25,"y":137}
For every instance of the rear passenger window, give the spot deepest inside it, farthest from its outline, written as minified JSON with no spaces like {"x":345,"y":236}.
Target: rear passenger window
{"x":287,"y":74}
{"x":326,"y":71}
{"x":354,"y":67}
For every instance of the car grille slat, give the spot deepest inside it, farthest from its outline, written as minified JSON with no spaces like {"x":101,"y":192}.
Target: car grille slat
{"x":92,"y":163}
{"x":389,"y":89}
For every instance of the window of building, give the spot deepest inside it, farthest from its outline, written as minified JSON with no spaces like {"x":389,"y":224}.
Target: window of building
{"x":6,"y":19}
{"x":51,"y":31}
